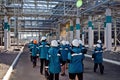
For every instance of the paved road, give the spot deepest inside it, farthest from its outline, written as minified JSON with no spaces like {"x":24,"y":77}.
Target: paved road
{"x":24,"y":71}
{"x":6,"y":59}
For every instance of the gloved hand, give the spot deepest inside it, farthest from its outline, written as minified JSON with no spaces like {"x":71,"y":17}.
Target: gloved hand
{"x":92,"y":59}
{"x":37,"y":54}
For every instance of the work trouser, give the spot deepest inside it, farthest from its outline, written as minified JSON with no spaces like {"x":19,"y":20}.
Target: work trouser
{"x":43,"y":64}
{"x":73,"y":75}
{"x":54,"y":76}
{"x":100,"y":66}
{"x":34,"y":60}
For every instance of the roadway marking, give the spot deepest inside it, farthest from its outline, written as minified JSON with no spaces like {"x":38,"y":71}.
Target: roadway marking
{"x":106,"y":60}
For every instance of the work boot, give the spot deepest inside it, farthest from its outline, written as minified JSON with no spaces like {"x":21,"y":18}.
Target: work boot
{"x":63,"y":74}
{"x":102,"y":70}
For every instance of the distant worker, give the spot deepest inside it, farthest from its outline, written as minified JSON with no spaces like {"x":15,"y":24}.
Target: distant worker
{"x":82,"y":47}
{"x":29,"y":46}
{"x":80,"y":42}
{"x":34,"y":51}
{"x":43,"y":51}
{"x":64,"y":55}
{"x":100,"y":42}
{"x":75,"y":59}
{"x":98,"y":59}
{"x":58,"y":42}
{"x":68,"y":45}
{"x":54,"y":59}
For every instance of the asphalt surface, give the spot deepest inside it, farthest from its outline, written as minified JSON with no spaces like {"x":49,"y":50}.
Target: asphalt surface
{"x":6,"y":59}
{"x":25,"y":71}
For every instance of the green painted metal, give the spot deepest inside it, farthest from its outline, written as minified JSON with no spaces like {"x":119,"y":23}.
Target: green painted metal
{"x":104,"y":24}
{"x":71,"y":28}
{"x":83,"y":32}
{"x":92,"y":27}
{"x":108,"y":19}
{"x":90,"y":24}
{"x":8,"y":27}
{"x":5,"y":25}
{"x":78,"y":26}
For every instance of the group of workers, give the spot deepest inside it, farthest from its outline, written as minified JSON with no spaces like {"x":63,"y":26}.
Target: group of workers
{"x":57,"y":56}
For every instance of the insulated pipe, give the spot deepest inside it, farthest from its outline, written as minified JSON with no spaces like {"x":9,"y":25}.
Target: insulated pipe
{"x":99,"y":31}
{"x":20,"y":37}
{"x":90,"y":32}
{"x":71,"y":30}
{"x":108,"y":29}
{"x":5,"y":32}
{"x":67,"y":32}
{"x":9,"y":38}
{"x":105,"y":34}
{"x":83,"y":36}
{"x":58,"y":32}
{"x":115,"y":34}
{"x":78,"y":28}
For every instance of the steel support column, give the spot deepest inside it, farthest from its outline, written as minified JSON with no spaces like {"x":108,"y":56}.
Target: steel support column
{"x":108,"y":29}
{"x":90,"y":32}
{"x":71,"y":30}
{"x":78,"y":28}
{"x":5,"y":32}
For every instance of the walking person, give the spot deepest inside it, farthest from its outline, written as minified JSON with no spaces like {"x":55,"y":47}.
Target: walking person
{"x":34,"y":51}
{"x":30,"y":48}
{"x":75,"y":59}
{"x":100,"y":42}
{"x":98,"y":59}
{"x":64,"y":54}
{"x":54,"y":58}
{"x":43,"y":51}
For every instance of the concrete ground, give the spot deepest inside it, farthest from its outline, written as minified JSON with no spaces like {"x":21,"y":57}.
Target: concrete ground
{"x":24,"y":70}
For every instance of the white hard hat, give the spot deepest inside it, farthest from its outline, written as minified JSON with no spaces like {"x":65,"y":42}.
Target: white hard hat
{"x":98,"y":45}
{"x":67,"y":42}
{"x":43,"y":38}
{"x":75,"y":42}
{"x":80,"y":41}
{"x":63,"y":42}
{"x":54,"y":43}
{"x":99,"y":41}
{"x":58,"y":40}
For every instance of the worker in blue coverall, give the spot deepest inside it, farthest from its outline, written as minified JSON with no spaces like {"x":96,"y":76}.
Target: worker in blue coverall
{"x":34,"y":51}
{"x":100,"y":42}
{"x":68,"y":45}
{"x":64,"y":55}
{"x":98,"y":59}
{"x":75,"y":59}
{"x":54,"y":58}
{"x":83,"y":49}
{"x":43,"y":51}
{"x":58,"y":42}
{"x":80,"y":42}
{"x":29,"y":46}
